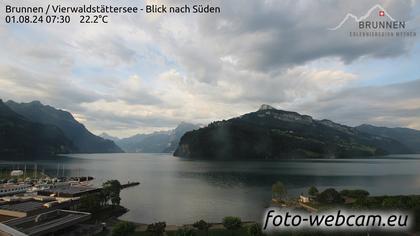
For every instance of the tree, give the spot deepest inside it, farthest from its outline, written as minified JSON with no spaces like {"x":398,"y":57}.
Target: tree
{"x":103,"y":198}
{"x":111,"y":189}
{"x":232,"y":223}
{"x":157,"y":229}
{"x":115,"y":200}
{"x":255,"y":230}
{"x":202,"y":225}
{"x":313,"y":191}
{"x":123,"y":229}
{"x":329,"y":196}
{"x":278,"y":190}
{"x":357,"y":193}
{"x":90,"y":203}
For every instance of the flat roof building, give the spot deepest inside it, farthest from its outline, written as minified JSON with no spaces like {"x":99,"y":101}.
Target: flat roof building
{"x":22,"y":209}
{"x":29,"y":207}
{"x":43,"y":224}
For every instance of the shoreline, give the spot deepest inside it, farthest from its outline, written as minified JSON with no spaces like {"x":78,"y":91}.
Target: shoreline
{"x":142,"y":227}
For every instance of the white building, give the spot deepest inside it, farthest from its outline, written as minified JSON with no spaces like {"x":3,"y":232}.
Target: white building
{"x":304,"y":199}
{"x":16,"y":173}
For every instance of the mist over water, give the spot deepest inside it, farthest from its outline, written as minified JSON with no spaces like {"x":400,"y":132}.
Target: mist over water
{"x":182,"y":191}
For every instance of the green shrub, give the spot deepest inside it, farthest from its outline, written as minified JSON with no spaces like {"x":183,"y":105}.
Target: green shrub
{"x":329,"y":196}
{"x":157,"y":229}
{"x":232,"y":222}
{"x":313,"y":191}
{"x":123,"y":229}
{"x":202,"y":225}
{"x":254,"y":230}
{"x":357,"y":193}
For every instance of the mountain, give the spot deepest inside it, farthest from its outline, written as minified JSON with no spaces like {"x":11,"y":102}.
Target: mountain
{"x":157,"y":142}
{"x":408,"y":137}
{"x":83,"y":140}
{"x":177,"y":134}
{"x":20,"y":137}
{"x":132,"y":144}
{"x":275,"y":134}
{"x":109,"y":137}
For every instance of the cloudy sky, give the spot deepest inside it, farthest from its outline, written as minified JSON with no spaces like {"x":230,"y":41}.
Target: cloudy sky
{"x":141,"y":73}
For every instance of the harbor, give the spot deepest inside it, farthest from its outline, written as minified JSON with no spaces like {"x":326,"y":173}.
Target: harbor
{"x":32,"y":199}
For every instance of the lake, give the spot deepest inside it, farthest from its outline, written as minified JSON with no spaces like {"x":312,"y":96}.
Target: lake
{"x":182,"y":191}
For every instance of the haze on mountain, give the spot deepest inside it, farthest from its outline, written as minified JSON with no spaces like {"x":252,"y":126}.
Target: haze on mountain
{"x":83,"y":140}
{"x":109,"y":137}
{"x":408,"y":137}
{"x":276,"y":134}
{"x":22,"y":138}
{"x":157,"y":142}
{"x":34,"y":129}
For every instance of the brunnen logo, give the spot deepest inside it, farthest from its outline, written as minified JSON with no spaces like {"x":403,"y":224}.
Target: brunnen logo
{"x":377,"y":22}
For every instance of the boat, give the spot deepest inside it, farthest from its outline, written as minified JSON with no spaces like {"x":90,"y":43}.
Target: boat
{"x":12,"y":189}
{"x":16,"y":173}
{"x":38,"y":187}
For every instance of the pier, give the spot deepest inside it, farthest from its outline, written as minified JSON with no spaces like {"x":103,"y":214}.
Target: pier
{"x":129,"y":184}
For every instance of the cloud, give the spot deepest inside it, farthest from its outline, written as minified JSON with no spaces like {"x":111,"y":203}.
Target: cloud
{"x":145,"y":72}
{"x":112,"y":51}
{"x":24,"y":86}
{"x":125,"y":119}
{"x":267,"y":37}
{"x":391,"y":105}
{"x":133,"y":91}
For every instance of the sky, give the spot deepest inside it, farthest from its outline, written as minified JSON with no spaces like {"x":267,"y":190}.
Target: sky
{"x":146,"y":72}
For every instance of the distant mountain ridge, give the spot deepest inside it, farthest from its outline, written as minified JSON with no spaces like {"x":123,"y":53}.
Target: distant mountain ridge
{"x":157,"y":142}
{"x":34,"y":129}
{"x":109,"y":137}
{"x":21,"y":138}
{"x":83,"y":140}
{"x":408,"y":137}
{"x":270,"y":133}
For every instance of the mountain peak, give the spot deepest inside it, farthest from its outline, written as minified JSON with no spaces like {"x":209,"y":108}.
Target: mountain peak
{"x":35,"y":102}
{"x":264,"y":107}
{"x":186,"y":125}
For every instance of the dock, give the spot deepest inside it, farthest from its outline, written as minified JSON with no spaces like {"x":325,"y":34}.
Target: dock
{"x":129,"y":184}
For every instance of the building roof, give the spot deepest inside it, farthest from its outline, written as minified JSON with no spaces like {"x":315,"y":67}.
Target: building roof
{"x":45,"y":223}
{"x":68,"y":191}
{"x":23,"y":206}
